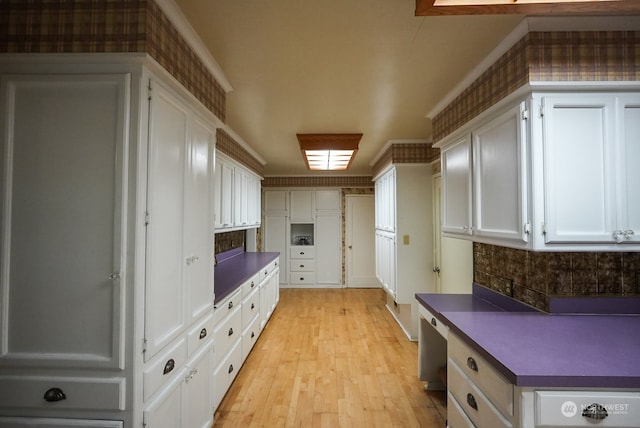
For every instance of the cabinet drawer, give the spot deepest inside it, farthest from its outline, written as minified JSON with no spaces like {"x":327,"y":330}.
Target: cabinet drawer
{"x":302,"y":278}
{"x":442,"y":329}
{"x":226,"y":306}
{"x":225,"y":373}
{"x":249,"y":337}
{"x":11,"y":422}
{"x":200,"y":334}
{"x":474,"y":403}
{"x":265,"y":271}
{"x":492,"y":383}
{"x":79,"y":393}
{"x":303,"y":252}
{"x":250,"y":285}
{"x":163,"y":367}
{"x":227,"y":334}
{"x":303,"y":265}
{"x":250,"y":308}
{"x":564,"y":408}
{"x":456,"y":418}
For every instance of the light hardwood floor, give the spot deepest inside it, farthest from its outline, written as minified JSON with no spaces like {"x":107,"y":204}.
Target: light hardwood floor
{"x":331,"y":358}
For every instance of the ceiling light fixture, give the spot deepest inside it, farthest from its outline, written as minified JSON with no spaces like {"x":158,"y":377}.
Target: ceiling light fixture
{"x":527,"y":7}
{"x":322,"y":152}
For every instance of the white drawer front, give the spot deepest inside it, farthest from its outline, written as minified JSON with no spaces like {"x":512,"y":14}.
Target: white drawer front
{"x":249,"y":337}
{"x":492,"y":383}
{"x":303,"y":252}
{"x":226,"y":306}
{"x":302,"y":265}
{"x":225,"y":373}
{"x":250,"y":308}
{"x":227,"y":334}
{"x":62,"y":392}
{"x":474,"y":403}
{"x":565,"y":409}
{"x":10,"y":422}
{"x":200,"y":334}
{"x":456,"y":417}
{"x":250,"y":285}
{"x":163,"y":368}
{"x":442,"y":329}
{"x":302,"y":278}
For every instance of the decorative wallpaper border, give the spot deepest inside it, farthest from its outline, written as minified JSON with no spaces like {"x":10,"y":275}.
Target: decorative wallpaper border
{"x":108,"y":26}
{"x":406,"y":153}
{"x":545,"y":56}
{"x":227,"y":145}
{"x":315,"y":181}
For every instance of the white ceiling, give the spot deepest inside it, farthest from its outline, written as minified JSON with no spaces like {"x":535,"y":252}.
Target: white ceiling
{"x":337,"y":66}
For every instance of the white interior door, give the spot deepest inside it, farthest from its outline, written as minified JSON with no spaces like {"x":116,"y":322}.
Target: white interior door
{"x":360,"y":241}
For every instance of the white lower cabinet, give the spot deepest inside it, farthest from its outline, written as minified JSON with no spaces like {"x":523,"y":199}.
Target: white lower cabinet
{"x":239,"y":320}
{"x":485,"y":397}
{"x":185,"y":400}
{"x":10,"y":422}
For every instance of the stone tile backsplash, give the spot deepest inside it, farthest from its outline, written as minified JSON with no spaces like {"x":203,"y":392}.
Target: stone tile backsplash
{"x":534,"y":277}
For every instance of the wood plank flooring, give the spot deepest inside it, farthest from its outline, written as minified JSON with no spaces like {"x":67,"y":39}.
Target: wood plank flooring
{"x":331,"y":358}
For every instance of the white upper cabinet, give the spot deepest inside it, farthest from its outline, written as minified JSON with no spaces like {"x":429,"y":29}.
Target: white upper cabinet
{"x":328,"y":200}
{"x":590,"y":156}
{"x":237,"y":196}
{"x":500,"y":186}
{"x":302,"y":206}
{"x":385,"y":190}
{"x":456,"y":187}
{"x":557,"y":171}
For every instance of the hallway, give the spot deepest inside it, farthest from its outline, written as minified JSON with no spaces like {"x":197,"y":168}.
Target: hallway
{"x":329,"y":358}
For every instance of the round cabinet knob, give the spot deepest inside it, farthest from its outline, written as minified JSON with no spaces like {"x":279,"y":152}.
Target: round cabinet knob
{"x":54,"y":394}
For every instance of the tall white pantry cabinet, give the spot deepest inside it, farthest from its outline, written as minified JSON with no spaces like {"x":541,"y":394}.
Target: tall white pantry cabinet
{"x":106,"y":246}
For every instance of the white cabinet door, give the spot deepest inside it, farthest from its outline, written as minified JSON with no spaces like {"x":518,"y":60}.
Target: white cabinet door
{"x":166,"y":410}
{"x":253,"y":200}
{"x":329,"y":248}
{"x":164,"y":291}
{"x":579,"y":162}
{"x":500,"y":189}
{"x":328,"y":200}
{"x":302,"y":208}
{"x":456,"y":187}
{"x":629,"y":156}
{"x":276,"y":239}
{"x":385,"y":195}
{"x":198,"y":229}
{"x":64,"y":175}
{"x":240,"y":198}
{"x":276,"y":202}
{"x":227,"y":174}
{"x":199,"y":390}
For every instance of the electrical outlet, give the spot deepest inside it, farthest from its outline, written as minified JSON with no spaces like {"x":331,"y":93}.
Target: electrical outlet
{"x":405,"y":239}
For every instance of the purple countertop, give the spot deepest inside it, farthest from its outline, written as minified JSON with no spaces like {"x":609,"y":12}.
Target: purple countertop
{"x":535,"y":349}
{"x":234,"y":267}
